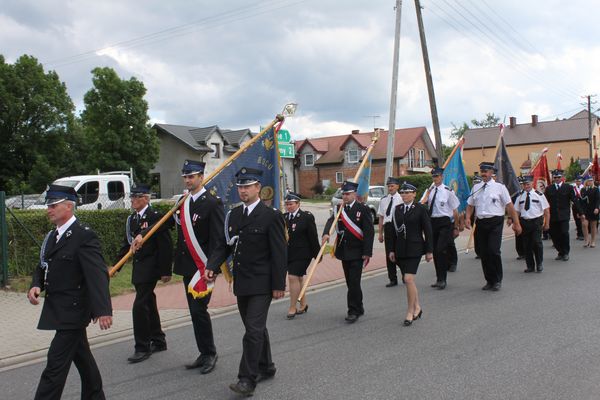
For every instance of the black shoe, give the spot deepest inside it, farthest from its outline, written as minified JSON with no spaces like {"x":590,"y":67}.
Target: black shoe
{"x":208,"y":364}
{"x":436,"y":284}
{"x":452,"y":268}
{"x":351,"y":318}
{"x":303,"y":311}
{"x":139,"y":356}
{"x":418,"y":316}
{"x":496,"y":286}
{"x":580,"y":238}
{"x":528,"y":270}
{"x":565,"y":257}
{"x":520,"y":257}
{"x":196,"y":364}
{"x":477,"y":258}
{"x":242,"y":387}
{"x":392,"y":284}
{"x":540,"y":268}
{"x":488,"y":286}
{"x":441,"y":285}
{"x":156,"y":348}
{"x":559,"y":257}
{"x":408,"y":322}
{"x":266,"y":375}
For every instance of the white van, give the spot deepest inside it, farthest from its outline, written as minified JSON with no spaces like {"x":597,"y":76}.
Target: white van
{"x":96,"y":192}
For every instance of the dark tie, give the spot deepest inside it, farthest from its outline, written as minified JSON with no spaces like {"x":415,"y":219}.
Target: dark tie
{"x":347,"y":207}
{"x":557,"y":186}
{"x":291,"y":216}
{"x":527,"y":202}
{"x":484,"y":186}
{"x":389,"y":207}
{"x":245,"y":212}
{"x":432,"y":202}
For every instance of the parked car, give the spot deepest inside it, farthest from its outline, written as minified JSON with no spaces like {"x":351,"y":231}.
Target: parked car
{"x":375,"y":195}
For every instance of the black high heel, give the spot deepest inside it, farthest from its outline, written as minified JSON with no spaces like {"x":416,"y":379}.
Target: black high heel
{"x":408,"y":322}
{"x":418,"y":316}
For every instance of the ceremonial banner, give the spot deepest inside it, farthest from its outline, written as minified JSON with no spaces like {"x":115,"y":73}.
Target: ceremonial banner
{"x":541,"y":173}
{"x":596,"y":168}
{"x":504,"y":171}
{"x":364,"y":182}
{"x":456,"y":178}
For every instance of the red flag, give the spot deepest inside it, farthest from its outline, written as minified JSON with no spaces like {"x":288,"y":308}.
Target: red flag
{"x":596,"y":168}
{"x":541,"y":172}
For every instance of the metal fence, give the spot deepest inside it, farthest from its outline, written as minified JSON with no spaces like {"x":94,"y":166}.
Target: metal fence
{"x":87,"y":201}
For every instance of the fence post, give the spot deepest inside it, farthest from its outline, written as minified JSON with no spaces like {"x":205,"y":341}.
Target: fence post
{"x":4,"y":238}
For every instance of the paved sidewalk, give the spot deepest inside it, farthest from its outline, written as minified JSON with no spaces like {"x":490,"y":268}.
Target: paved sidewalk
{"x":22,"y":343}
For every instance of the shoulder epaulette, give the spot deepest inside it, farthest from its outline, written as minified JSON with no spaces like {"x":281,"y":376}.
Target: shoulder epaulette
{"x":539,"y":193}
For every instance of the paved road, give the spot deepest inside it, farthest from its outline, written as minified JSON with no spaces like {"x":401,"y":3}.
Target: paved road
{"x":538,"y":338}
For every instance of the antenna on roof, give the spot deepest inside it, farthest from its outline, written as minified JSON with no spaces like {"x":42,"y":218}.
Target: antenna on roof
{"x":374,"y":120}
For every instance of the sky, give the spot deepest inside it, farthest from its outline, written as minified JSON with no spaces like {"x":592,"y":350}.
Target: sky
{"x":236,"y":63}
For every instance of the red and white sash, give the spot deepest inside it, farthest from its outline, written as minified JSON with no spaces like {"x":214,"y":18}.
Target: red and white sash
{"x":351,"y":226}
{"x":197,"y":287}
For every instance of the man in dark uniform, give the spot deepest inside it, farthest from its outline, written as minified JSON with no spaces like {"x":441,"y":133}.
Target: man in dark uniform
{"x":577,"y":187}
{"x":74,"y":276}
{"x":386,"y":226}
{"x":303,"y":245}
{"x":200,"y":218}
{"x":443,"y":211}
{"x":561,"y":197}
{"x":256,"y":238}
{"x":353,"y":245}
{"x":150,"y":264}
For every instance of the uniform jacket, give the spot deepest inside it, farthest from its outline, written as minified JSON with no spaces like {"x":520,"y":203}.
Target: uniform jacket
{"x":348,"y":246}
{"x":207,"y":214}
{"x":259,"y":254}
{"x":589,"y":200}
{"x":155,"y":257}
{"x":560,"y":202}
{"x":76,"y":286}
{"x":303,"y":241}
{"x":417,"y":226}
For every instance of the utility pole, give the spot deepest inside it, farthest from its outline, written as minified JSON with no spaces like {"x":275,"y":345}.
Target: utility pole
{"x":432,"y":104}
{"x":589,"y":109}
{"x":389,"y":160}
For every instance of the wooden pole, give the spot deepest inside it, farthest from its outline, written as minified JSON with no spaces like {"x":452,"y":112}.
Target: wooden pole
{"x":315,"y":261}
{"x":278,"y":119}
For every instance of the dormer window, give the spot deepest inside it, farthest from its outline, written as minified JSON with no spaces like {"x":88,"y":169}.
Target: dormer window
{"x":309,"y":160}
{"x":353,"y":156}
{"x":216,"y":147}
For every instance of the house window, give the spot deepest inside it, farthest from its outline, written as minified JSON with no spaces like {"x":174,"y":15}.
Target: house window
{"x":353,"y":156}
{"x":216,"y":150}
{"x":339,"y":177}
{"x":421,"y":161}
{"x":309,"y":160}
{"x":411,"y":158}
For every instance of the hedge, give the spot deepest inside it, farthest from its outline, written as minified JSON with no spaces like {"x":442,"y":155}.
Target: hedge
{"x":23,"y":253}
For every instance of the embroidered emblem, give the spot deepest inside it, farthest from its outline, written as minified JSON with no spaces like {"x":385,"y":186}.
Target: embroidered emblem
{"x":68,"y":233}
{"x":145,"y":225}
{"x":293,"y":227}
{"x":358,"y":214}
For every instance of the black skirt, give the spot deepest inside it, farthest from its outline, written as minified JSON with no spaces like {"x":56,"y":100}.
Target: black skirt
{"x":408,"y":265}
{"x":298,"y":268}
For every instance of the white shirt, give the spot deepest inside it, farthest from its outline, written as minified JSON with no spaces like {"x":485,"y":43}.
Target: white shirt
{"x":445,"y":201}
{"x":62,"y":229}
{"x":141,"y":213}
{"x":490,"y":201}
{"x":195,"y":196}
{"x":385,"y":202}
{"x":537,"y":204}
{"x":251,"y":206}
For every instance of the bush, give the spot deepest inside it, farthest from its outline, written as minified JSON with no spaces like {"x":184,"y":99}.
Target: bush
{"x":24,"y":253}
{"x":318,"y":188}
{"x":330,"y":191}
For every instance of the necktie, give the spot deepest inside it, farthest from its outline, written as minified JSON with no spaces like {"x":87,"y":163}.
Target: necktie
{"x":389,"y":207}
{"x":245,"y":212}
{"x":291,"y":217}
{"x":347,"y":207}
{"x":405,"y":208}
{"x":557,"y":186}
{"x":56,"y":237}
{"x":432,"y":201}
{"x":527,"y":202}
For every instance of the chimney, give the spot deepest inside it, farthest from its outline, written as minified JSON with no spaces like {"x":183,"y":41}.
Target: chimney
{"x":534,"y":120}
{"x":355,"y":131}
{"x":513,"y":122}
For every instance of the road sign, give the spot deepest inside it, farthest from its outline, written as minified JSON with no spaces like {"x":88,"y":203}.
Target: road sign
{"x":283,"y":136}
{"x":286,"y":150}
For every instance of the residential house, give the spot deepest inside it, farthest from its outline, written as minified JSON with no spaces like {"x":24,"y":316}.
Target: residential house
{"x":331,"y":160}
{"x":569,"y":137}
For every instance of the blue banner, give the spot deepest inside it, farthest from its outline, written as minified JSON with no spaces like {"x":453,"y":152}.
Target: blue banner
{"x":456,"y":179}
{"x":364,"y":180}
{"x":261,"y":155}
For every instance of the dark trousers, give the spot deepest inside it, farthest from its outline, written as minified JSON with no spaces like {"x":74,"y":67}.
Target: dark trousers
{"x":388,"y":240}
{"x":66,"y":347}
{"x":200,"y":321}
{"x":353,"y":273}
{"x":256,"y":354}
{"x":577,"y":223}
{"x":146,"y":320}
{"x":559,"y":233}
{"x":532,"y":241}
{"x":452,"y":253}
{"x":519,"y":246}
{"x":489,"y":236}
{"x":442,"y":236}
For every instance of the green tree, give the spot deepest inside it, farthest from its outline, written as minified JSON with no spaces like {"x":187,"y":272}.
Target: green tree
{"x":116,"y":125}
{"x":573,"y":170}
{"x":36,"y":117}
{"x":458,"y":131}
